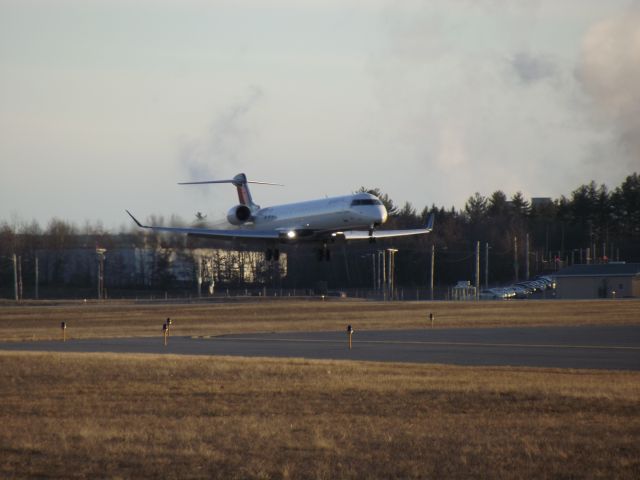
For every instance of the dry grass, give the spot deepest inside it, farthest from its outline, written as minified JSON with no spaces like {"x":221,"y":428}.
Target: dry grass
{"x":105,"y":415}
{"x":123,"y":416}
{"x":127,"y":319}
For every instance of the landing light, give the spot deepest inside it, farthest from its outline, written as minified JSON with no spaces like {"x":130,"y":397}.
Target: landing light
{"x":291,"y":234}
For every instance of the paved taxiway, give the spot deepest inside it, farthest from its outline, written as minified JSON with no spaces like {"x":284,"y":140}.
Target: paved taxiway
{"x":599,"y":347}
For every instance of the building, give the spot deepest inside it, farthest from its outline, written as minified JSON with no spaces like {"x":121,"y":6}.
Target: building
{"x":607,"y":280}
{"x":541,"y":202}
{"x":463,"y":291}
{"x":157,"y":267}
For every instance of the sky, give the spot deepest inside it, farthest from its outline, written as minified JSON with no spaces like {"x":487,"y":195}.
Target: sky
{"x":106,"y":105}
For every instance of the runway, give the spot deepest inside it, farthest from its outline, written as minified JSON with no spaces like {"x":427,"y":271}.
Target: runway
{"x":592,"y":347}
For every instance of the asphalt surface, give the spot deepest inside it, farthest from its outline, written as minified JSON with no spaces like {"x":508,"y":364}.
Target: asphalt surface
{"x":592,"y":347}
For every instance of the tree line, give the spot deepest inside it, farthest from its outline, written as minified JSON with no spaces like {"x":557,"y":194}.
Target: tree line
{"x":593,"y":223}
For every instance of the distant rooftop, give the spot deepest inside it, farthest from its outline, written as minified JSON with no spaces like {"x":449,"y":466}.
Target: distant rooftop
{"x":604,"y":269}
{"x":540,"y":201}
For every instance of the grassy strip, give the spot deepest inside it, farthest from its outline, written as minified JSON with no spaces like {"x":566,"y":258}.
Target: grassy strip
{"x":133,"y":416}
{"x":122,"y":319}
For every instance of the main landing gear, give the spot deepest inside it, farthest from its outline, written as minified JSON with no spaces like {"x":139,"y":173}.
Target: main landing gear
{"x":324,"y":253}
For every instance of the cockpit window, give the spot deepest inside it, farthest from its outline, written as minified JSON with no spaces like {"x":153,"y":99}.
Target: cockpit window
{"x":365,"y":201}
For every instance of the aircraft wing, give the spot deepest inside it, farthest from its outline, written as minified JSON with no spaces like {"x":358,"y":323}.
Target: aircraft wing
{"x":210,"y":233}
{"x":250,"y":234}
{"x":364,"y":235}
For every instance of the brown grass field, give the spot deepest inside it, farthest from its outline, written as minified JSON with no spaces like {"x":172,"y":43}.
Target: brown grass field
{"x":69,"y":415}
{"x":136,"y":416}
{"x":40,"y":321}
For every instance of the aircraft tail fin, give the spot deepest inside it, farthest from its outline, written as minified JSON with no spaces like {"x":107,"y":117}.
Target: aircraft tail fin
{"x":244,"y":195}
{"x":240,"y":182}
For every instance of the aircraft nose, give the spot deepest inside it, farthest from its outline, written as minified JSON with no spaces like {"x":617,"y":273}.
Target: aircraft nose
{"x":382,"y":211}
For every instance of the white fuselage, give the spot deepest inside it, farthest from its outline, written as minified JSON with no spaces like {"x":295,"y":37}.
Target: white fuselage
{"x":344,"y":218}
{"x":360,"y":210}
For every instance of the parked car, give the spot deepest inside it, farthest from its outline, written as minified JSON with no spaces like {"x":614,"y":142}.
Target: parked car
{"x":490,"y":295}
{"x":526,"y":287}
{"x":503,"y":293}
{"x":548,"y":280}
{"x":336,"y":293}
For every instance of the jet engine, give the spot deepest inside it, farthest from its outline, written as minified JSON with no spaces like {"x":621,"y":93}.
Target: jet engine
{"x":239,"y":214}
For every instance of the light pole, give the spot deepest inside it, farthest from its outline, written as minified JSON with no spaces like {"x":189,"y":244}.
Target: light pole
{"x":374,"y":270}
{"x":383,"y":273}
{"x":100,"y":253}
{"x":433,"y":260}
{"x":392,"y":254}
{"x":486,"y":265}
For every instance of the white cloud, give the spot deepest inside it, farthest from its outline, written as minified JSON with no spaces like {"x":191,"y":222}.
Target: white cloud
{"x":530,"y":68}
{"x":452,"y":153}
{"x":609,"y":72}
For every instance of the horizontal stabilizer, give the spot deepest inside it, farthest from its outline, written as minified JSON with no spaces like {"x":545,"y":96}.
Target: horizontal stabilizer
{"x":205,"y":182}
{"x":239,"y":180}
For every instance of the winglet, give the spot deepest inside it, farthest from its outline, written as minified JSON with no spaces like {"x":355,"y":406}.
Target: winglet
{"x":135,"y":220}
{"x":429,"y":222}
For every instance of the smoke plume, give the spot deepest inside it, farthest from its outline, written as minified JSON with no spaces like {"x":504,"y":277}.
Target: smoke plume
{"x":222,"y":147}
{"x":531,"y":69}
{"x":609,"y":73}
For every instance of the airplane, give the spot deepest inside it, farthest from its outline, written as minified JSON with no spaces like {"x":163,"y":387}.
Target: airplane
{"x":323,"y":221}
